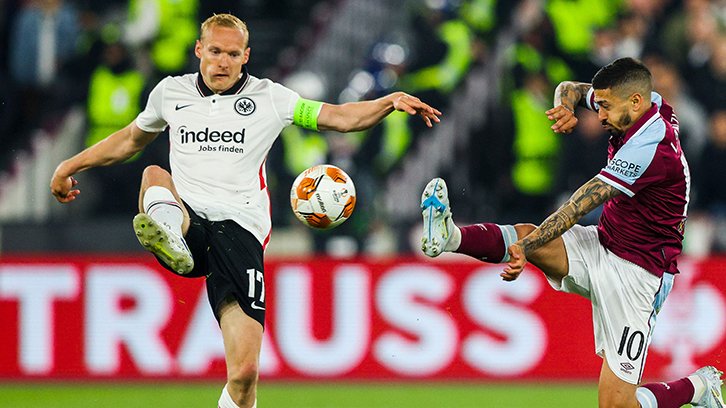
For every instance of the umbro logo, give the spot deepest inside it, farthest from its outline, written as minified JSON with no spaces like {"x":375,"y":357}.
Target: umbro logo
{"x":178,"y":107}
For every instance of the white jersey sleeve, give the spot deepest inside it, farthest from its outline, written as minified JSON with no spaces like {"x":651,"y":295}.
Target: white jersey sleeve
{"x":284,"y":100}
{"x":151,"y":119}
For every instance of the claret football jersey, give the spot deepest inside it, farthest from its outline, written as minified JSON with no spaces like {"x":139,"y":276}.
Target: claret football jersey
{"x":219,"y":144}
{"x":645,"y":225}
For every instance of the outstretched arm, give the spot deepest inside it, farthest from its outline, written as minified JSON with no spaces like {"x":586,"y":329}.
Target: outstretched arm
{"x":356,"y":116}
{"x":568,"y":95}
{"x":587,"y":198}
{"x":116,"y":148}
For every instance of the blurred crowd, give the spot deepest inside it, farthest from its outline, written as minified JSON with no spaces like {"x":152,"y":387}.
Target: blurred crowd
{"x":106,"y":56}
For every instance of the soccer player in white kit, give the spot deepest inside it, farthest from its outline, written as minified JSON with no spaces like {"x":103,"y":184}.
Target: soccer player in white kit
{"x":626,"y":264}
{"x":211,"y":216}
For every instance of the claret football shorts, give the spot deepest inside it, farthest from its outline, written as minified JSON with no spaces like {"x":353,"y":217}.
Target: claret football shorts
{"x":625,"y":300}
{"x":231,"y":259}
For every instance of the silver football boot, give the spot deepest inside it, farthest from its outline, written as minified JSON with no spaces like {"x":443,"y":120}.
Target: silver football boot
{"x":711,"y":398}
{"x":438,"y":226}
{"x":160,"y":240}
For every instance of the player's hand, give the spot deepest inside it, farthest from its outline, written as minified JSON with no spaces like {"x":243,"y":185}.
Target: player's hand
{"x":516,"y":263}
{"x":565,"y":120}
{"x":413,"y":106}
{"x":62,"y":188}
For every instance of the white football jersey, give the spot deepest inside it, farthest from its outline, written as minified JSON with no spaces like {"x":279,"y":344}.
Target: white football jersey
{"x":219,"y":144}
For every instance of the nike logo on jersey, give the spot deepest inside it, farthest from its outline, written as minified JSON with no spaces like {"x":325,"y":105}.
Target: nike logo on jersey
{"x":182,"y":106}
{"x":254,"y":306}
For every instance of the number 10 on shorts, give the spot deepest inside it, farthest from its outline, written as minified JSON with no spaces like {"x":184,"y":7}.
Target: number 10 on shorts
{"x":631,"y":344}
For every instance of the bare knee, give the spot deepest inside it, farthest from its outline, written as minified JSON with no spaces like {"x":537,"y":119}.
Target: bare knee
{"x":155,"y":176}
{"x":242,"y":383}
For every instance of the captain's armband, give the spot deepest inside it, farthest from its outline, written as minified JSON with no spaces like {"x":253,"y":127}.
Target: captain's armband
{"x":306,"y":113}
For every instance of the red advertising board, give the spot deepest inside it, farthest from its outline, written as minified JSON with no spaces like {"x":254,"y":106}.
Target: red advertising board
{"x":96,"y":317}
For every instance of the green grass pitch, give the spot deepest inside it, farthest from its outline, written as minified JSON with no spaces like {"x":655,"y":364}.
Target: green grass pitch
{"x":301,"y":395}
{"x":307,"y":395}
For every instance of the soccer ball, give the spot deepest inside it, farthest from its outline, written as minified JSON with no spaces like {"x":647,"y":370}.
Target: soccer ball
{"x":322,"y":196}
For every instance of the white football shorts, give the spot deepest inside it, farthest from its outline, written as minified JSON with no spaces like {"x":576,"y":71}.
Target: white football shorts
{"x":625,"y":300}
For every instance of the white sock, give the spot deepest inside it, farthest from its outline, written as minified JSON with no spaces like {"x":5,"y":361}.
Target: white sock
{"x":161,"y":206}
{"x":509,"y":235}
{"x":698,"y":387}
{"x":225,"y":400}
{"x":455,"y":239}
{"x":646,"y":398}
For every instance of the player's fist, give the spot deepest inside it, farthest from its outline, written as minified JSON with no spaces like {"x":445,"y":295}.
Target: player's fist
{"x":62,"y":188}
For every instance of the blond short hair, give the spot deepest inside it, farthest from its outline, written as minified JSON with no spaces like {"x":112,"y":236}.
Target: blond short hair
{"x":224,"y":20}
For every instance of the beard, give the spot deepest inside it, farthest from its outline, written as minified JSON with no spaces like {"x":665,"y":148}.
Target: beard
{"x":618,"y":132}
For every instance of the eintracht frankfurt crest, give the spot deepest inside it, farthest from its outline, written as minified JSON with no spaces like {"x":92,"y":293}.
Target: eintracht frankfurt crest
{"x":244,"y":106}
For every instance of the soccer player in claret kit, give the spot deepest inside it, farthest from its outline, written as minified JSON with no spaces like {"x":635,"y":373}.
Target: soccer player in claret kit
{"x":627,"y":263}
{"x":211,"y":216}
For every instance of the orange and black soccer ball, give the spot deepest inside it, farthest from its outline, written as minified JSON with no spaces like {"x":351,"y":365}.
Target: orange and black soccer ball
{"x":322,"y":196}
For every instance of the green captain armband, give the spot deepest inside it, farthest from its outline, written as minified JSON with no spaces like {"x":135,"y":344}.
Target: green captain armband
{"x":306,"y":113}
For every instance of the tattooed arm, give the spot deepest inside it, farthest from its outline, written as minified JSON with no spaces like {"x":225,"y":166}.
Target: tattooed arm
{"x":568,"y":95}
{"x":584,"y":200}
{"x":571,"y":94}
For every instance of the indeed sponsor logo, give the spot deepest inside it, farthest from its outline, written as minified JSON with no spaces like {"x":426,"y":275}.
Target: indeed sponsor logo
{"x":210,"y":136}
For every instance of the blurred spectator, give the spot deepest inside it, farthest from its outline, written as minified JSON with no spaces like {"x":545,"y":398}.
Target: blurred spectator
{"x":441,"y":56}
{"x":535,"y":64}
{"x":687,"y":33}
{"x":576,"y":21}
{"x":693,"y":120}
{"x":114,"y":93}
{"x":629,"y":37}
{"x":709,"y":81}
{"x":42,"y":38}
{"x":709,"y":181}
{"x":536,"y":148}
{"x":166,"y":29}
{"x":115,"y":96}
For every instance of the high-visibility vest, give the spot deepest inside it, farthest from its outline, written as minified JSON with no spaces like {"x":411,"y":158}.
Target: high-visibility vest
{"x":481,"y":15}
{"x":178,"y":30}
{"x":446,"y":75}
{"x":575,"y":21}
{"x":536,"y":146}
{"x":113,"y":102}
